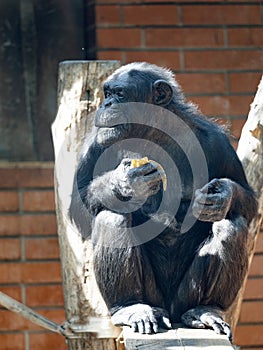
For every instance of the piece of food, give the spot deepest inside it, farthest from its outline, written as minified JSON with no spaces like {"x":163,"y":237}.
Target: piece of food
{"x":136,"y":163}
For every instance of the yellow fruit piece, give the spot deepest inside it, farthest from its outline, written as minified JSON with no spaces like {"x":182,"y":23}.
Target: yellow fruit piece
{"x":136,"y":163}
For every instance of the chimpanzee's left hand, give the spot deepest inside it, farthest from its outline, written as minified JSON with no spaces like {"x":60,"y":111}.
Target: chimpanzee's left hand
{"x":213,"y":201}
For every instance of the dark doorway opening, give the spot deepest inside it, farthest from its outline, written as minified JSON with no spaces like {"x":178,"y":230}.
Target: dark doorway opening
{"x":35,"y":35}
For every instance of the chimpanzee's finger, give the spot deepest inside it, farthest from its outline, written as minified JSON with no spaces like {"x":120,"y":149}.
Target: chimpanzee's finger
{"x":142,"y":170}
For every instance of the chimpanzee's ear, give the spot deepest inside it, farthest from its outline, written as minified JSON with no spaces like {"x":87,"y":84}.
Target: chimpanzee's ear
{"x":162,"y":92}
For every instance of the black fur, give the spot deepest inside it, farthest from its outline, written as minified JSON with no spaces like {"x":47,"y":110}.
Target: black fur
{"x":191,"y":276}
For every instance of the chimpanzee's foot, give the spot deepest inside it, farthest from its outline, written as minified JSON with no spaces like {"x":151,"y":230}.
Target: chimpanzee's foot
{"x":207,"y":317}
{"x":142,"y":318}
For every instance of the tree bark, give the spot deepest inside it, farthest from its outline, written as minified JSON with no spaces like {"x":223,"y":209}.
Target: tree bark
{"x":250,"y":152}
{"x":79,"y":95}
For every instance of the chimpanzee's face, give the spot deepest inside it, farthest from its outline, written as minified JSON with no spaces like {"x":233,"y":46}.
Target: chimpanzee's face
{"x":121,"y":88}
{"x":111,"y":117}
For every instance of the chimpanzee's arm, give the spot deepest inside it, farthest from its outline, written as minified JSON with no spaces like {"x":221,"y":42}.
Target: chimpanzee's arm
{"x":122,"y":190}
{"x":224,"y":198}
{"x":243,"y":201}
{"x":228,"y":194}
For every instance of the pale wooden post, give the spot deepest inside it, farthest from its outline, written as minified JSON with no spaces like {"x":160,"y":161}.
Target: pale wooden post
{"x":79,"y":95}
{"x":250,"y":152}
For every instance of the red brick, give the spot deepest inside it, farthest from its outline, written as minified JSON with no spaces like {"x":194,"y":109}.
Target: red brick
{"x":44,"y":341}
{"x":27,"y":224}
{"x":212,"y":105}
{"x":259,"y":244}
{"x":256,"y":266}
{"x":110,"y":55}
{"x":27,"y":176}
{"x":223,"y":105}
{"x":9,"y":201}
{"x":251,"y":312}
{"x":225,"y":59}
{"x":218,"y":14}
{"x":244,"y":82}
{"x":202,"y":83}
{"x":169,"y":59}
{"x":44,"y":224}
{"x":11,"y":321}
{"x":236,"y":127}
{"x":239,"y":106}
{"x":12,"y":342}
{"x":41,"y":272}
{"x":12,"y":291}
{"x":30,"y":272}
{"x":182,"y":37}
{"x":107,"y":14}
{"x":50,"y":295}
{"x":38,"y":201}
{"x":150,"y":15}
{"x":118,"y":38}
{"x":9,"y":225}
{"x":245,"y":36}
{"x":42,"y":248}
{"x":254,"y":289}
{"x":249,"y":335}
{"x":10,"y":273}
{"x":10,"y":249}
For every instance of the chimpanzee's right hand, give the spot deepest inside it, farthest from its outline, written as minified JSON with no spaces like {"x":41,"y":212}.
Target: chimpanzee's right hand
{"x":136,"y":183}
{"x":142,"y":318}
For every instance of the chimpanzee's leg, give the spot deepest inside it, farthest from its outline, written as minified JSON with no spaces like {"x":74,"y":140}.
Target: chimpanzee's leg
{"x":215,"y":276}
{"x":124,"y":275}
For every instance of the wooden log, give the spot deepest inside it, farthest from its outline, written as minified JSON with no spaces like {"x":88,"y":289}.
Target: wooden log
{"x":180,"y":338}
{"x":250,"y":152}
{"x":79,"y":95}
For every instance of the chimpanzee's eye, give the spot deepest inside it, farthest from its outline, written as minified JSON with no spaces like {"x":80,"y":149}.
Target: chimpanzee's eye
{"x":107,"y":93}
{"x":119,"y":93}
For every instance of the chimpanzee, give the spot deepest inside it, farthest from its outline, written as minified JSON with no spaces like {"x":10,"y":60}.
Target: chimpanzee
{"x":178,"y":255}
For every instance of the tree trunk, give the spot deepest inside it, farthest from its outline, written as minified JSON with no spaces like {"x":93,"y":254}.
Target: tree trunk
{"x":79,"y":95}
{"x":250,"y":152}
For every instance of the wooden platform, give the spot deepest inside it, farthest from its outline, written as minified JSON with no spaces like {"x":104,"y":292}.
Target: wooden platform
{"x":177,"y":339}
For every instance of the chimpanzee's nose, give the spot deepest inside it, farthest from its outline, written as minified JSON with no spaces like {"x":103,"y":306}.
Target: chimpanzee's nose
{"x":107,"y":104}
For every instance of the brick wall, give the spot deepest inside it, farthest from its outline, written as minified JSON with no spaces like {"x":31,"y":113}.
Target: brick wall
{"x":29,"y":255}
{"x":214,"y":47}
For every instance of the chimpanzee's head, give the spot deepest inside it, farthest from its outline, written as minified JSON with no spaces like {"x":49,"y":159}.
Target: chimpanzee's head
{"x":134,"y":82}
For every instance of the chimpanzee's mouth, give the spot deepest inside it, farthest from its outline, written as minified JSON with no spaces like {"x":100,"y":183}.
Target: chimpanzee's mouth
{"x":103,"y":126}
{"x":110,"y":117}
{"x":108,"y":135}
